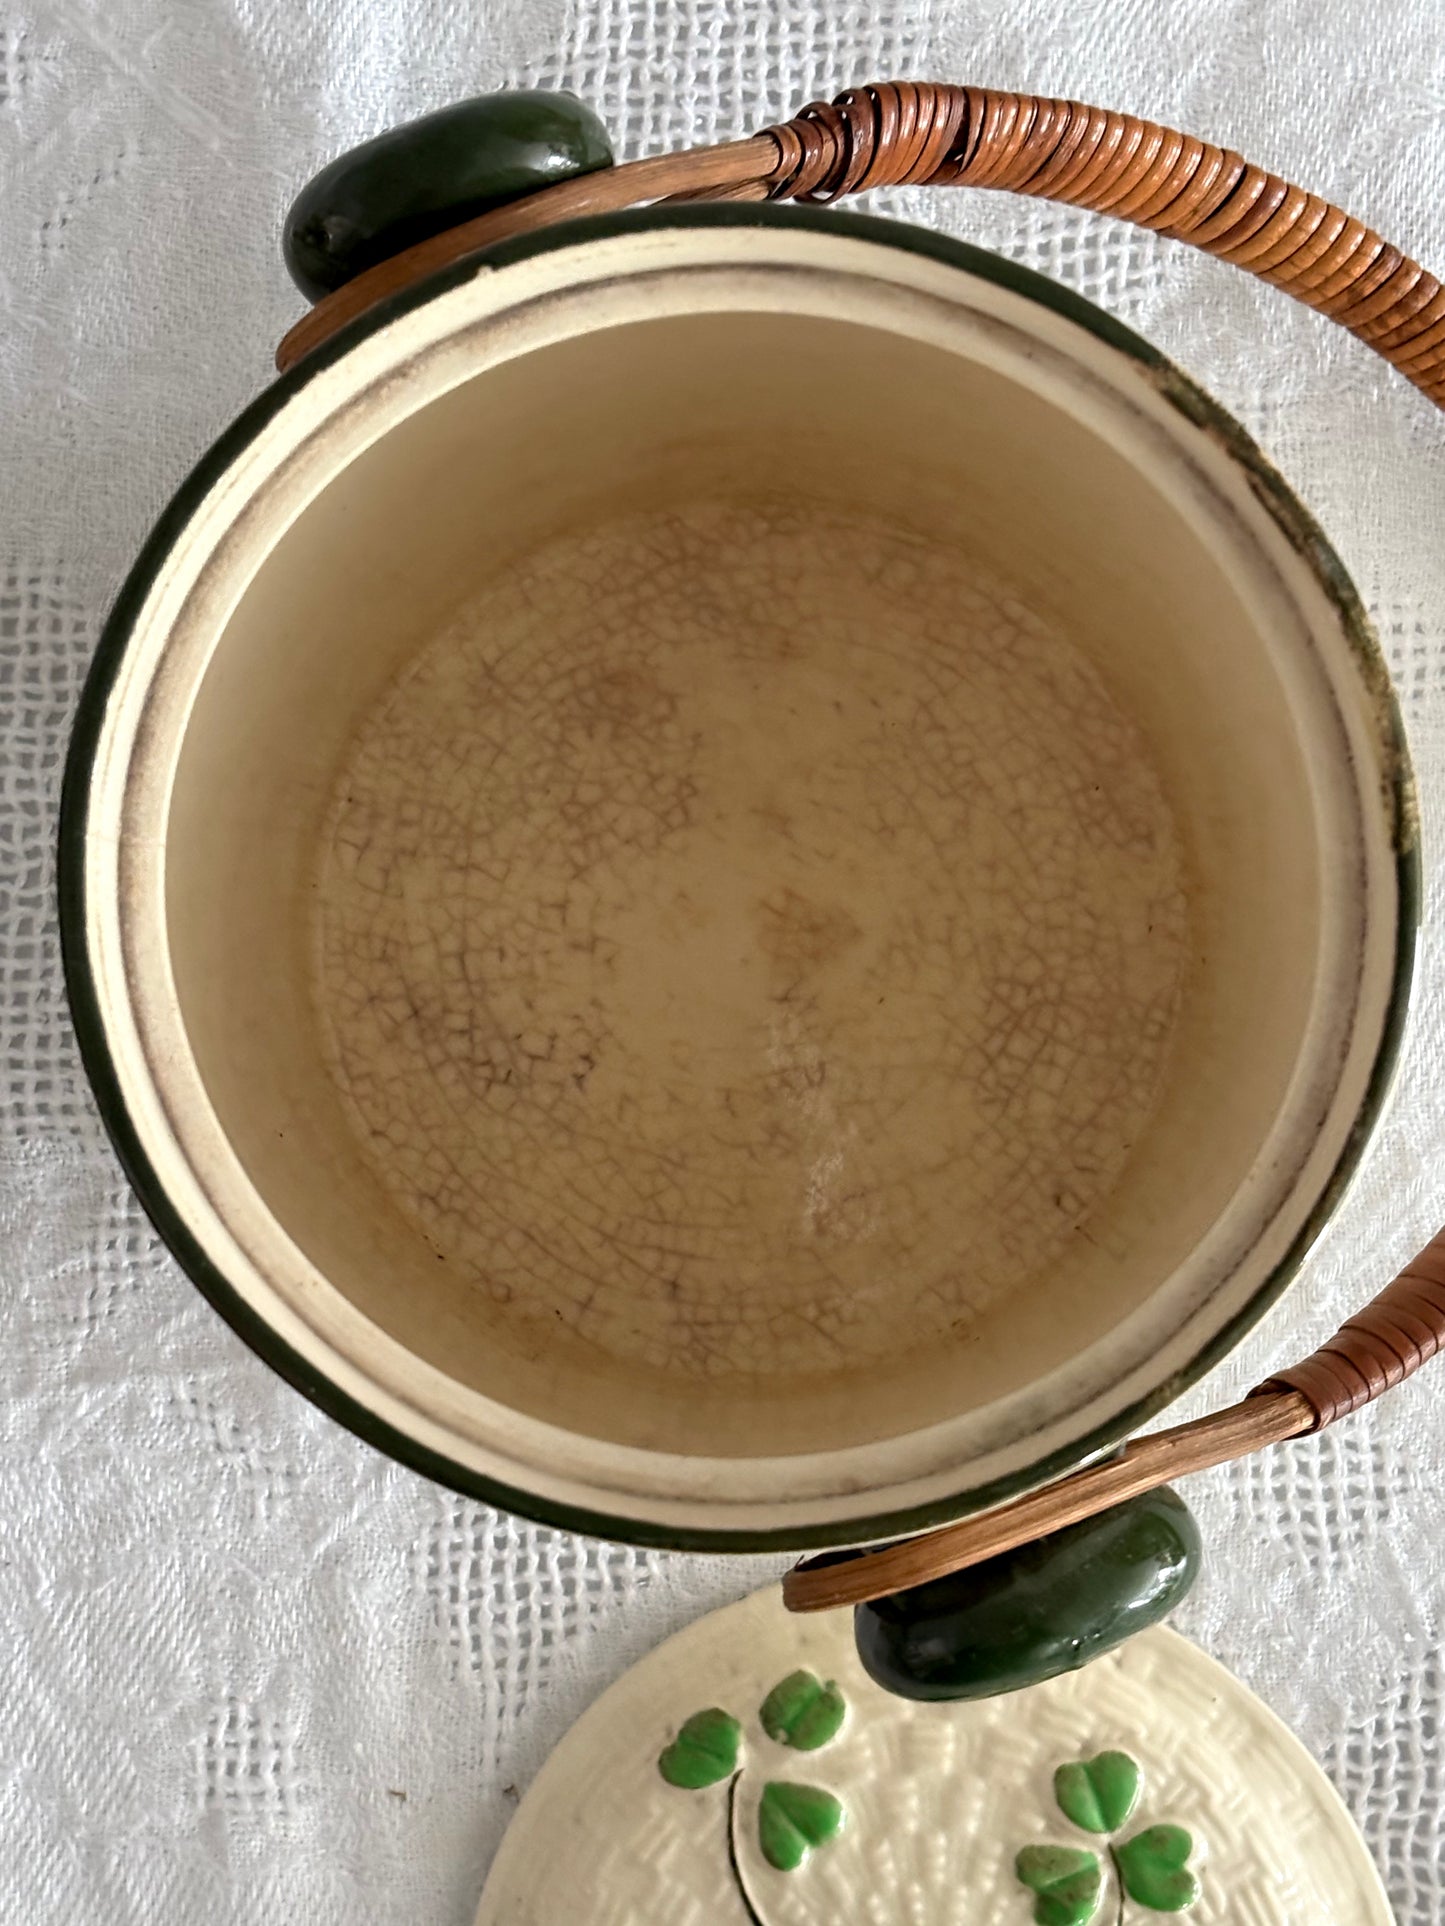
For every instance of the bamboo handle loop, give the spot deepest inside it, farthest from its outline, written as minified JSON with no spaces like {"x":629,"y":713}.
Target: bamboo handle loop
{"x":931,"y":134}
{"x":912,"y":133}
{"x":1373,"y":1351}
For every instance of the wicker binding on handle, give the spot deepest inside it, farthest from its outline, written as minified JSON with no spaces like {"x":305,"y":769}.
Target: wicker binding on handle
{"x":922,"y":133}
{"x":1381,"y":1346}
{"x":929,"y":134}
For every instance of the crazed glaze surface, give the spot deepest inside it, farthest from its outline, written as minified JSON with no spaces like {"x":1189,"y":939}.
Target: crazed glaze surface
{"x":336,"y":531}
{"x":750,"y":938}
{"x":939,"y":1799}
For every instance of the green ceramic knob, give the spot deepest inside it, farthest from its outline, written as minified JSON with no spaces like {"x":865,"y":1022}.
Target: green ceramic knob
{"x":1029,"y":1614}
{"x":415,"y":180}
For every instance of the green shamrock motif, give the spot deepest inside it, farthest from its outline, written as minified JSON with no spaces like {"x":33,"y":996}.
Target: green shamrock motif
{"x":1065,"y":1880}
{"x":802,"y":1713}
{"x":794,"y":1820}
{"x":1099,"y":1795}
{"x":1153,"y":1870}
{"x":704,"y":1751}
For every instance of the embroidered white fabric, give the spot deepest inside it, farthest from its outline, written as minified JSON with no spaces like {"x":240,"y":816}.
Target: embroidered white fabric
{"x":250,"y":1669}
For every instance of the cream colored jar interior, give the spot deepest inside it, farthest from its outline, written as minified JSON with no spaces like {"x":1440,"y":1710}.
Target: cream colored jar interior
{"x":710,"y":446}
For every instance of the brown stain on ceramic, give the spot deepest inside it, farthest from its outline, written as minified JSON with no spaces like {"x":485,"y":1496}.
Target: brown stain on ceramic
{"x":1398,"y":793}
{"x":750,"y":994}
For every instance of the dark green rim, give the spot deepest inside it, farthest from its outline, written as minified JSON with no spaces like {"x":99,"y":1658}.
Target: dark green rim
{"x":1298,"y":525}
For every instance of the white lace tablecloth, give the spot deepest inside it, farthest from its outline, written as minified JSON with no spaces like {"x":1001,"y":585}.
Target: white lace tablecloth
{"x":248,"y":1669}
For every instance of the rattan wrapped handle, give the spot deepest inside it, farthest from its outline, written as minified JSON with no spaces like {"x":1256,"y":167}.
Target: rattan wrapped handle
{"x":921,"y":133}
{"x":929,"y":134}
{"x":1391,"y":1338}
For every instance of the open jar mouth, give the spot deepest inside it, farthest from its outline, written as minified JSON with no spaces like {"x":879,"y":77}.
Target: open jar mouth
{"x":739,"y":878}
